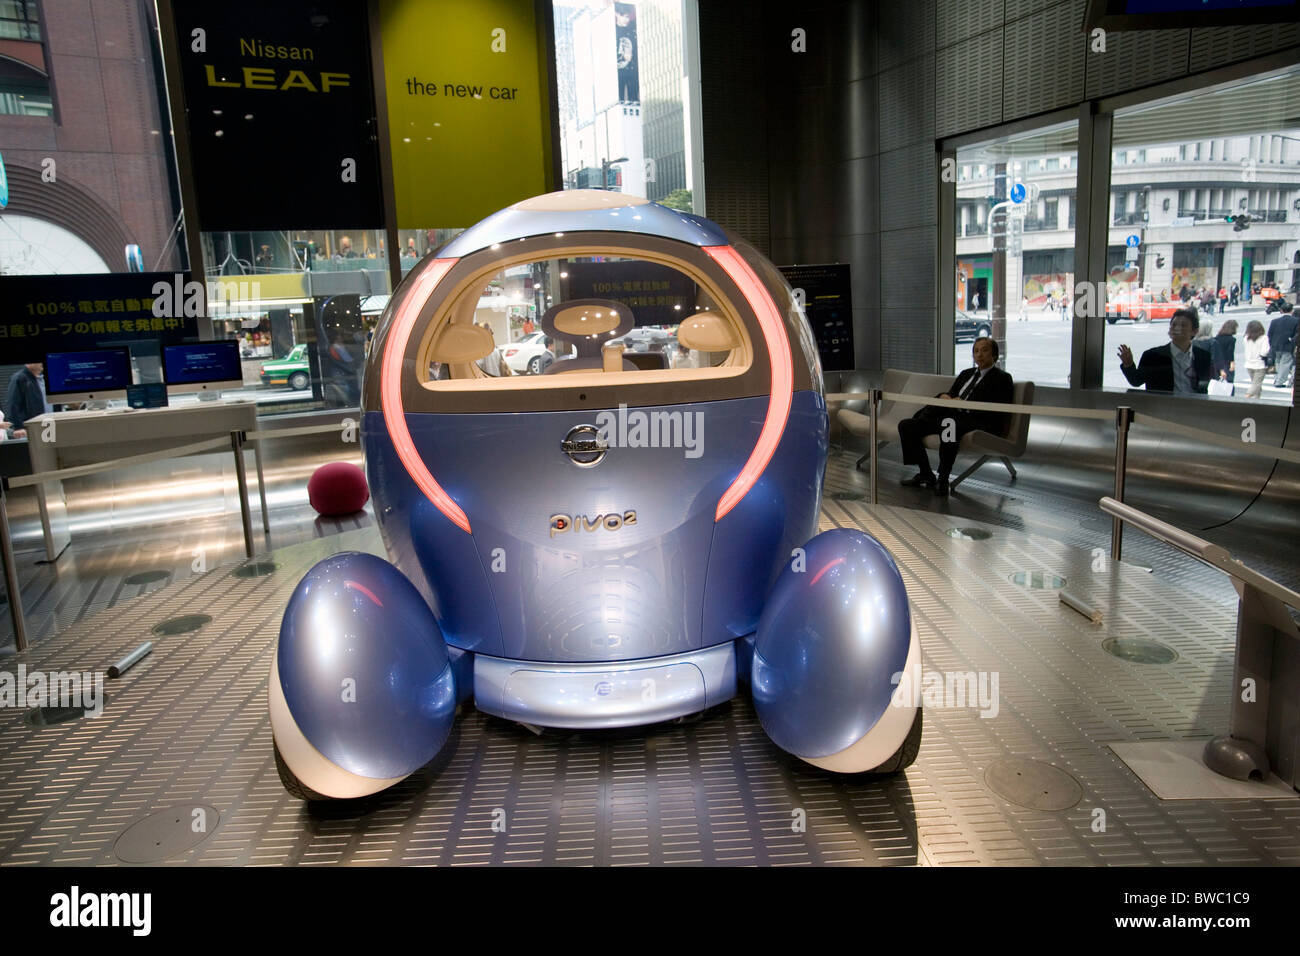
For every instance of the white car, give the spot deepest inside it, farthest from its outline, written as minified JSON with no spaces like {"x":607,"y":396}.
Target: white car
{"x":530,"y":355}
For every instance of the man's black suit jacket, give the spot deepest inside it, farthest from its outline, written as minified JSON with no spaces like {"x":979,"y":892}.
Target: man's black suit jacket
{"x":1156,"y":369}
{"x":995,"y":386}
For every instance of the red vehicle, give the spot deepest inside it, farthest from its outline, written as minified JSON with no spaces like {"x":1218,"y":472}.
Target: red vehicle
{"x":1139,"y":306}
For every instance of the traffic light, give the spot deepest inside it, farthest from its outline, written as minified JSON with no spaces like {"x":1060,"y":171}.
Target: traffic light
{"x":1239,"y":223}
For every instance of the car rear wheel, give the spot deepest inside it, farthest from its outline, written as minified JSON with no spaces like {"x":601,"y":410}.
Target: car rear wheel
{"x":1112,"y":319}
{"x":535,"y":365}
{"x":298,"y":381}
{"x":984,"y":332}
{"x":294,"y":786}
{"x":906,"y":753}
{"x":1142,"y":317}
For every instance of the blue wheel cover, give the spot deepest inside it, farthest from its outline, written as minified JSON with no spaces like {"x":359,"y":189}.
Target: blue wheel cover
{"x":364,"y":668}
{"x":830,"y":642}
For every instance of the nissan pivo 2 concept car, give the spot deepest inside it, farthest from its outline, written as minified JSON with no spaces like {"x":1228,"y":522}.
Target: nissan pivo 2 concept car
{"x":617,"y":541}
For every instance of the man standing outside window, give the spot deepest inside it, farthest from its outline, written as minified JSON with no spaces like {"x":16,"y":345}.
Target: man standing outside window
{"x":26,"y":397}
{"x":1178,"y":367}
{"x":1281,"y":343}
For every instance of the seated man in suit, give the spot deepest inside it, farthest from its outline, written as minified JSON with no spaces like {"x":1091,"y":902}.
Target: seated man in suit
{"x":1178,"y":367}
{"x":983,"y":383}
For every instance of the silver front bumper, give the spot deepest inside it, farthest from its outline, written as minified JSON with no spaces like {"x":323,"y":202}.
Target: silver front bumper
{"x":605,"y":694}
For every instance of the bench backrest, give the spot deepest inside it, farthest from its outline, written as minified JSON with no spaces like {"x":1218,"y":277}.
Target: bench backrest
{"x":1018,"y":427}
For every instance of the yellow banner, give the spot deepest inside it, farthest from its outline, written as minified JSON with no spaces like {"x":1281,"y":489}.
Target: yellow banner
{"x":468,"y":112}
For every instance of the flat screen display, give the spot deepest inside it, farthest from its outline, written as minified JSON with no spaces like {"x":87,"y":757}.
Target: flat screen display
{"x":202,"y":362}
{"x":100,"y":370}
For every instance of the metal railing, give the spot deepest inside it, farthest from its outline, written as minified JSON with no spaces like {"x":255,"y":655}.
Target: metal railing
{"x":235,"y":442}
{"x":1259,"y":739}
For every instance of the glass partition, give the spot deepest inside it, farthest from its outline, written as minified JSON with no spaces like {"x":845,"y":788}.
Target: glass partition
{"x":302,"y":304}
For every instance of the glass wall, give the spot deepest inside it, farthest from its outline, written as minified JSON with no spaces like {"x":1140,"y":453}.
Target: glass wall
{"x":303,"y":305}
{"x":624,"y":112}
{"x":1205,"y":216}
{"x":1014,"y":251}
{"x":624,"y":115}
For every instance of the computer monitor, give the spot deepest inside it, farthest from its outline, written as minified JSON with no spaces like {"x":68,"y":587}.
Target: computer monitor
{"x":202,"y":367}
{"x":89,"y":376}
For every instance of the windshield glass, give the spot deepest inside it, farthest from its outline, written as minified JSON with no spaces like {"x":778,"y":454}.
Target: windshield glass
{"x":583,"y":315}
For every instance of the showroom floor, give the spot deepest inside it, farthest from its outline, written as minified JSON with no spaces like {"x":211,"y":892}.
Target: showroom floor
{"x":185,"y":734}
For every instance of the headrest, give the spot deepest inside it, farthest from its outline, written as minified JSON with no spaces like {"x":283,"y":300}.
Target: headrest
{"x":461,"y":342}
{"x":708,"y":332}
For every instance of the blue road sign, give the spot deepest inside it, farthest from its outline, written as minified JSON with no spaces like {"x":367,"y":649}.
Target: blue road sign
{"x":1018,"y":192}
{"x":1132,"y":242}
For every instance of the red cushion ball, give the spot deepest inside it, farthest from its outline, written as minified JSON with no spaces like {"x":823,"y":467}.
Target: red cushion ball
{"x":338,"y":488}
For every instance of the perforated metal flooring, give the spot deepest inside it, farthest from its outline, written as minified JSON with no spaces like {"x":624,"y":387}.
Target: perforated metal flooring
{"x":188,"y":727}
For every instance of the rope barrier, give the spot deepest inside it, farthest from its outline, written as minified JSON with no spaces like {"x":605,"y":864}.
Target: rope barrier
{"x":77,"y":471}
{"x":1222,"y":441}
{"x":1096,"y":414}
{"x":268,"y":433}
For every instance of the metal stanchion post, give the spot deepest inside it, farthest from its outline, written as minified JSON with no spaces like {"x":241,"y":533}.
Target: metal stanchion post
{"x":874,"y":405}
{"x":1123,"y":419}
{"x":11,"y":572}
{"x":237,"y":445}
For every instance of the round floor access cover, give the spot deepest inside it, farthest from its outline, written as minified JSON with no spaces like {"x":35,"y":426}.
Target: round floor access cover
{"x":166,"y":833}
{"x":1032,"y":784}
{"x":148,"y":577}
{"x":183,"y":624}
{"x":1037,"y":579}
{"x":255,"y":569}
{"x":1139,"y":650}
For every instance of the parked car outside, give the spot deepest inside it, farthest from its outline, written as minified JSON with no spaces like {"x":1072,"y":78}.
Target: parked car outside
{"x":292,"y":370}
{"x":1140,"y":306}
{"x":531,"y":355}
{"x":968,"y":328}
{"x":645,"y":338}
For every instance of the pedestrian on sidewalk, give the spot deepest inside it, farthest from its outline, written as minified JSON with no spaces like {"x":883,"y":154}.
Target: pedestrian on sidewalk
{"x":1256,"y":357}
{"x":1281,"y":343}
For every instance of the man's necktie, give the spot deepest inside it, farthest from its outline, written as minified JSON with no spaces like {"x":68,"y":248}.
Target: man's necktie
{"x":969,"y":386}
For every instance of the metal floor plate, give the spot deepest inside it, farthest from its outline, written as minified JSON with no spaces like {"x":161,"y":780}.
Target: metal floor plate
{"x":188,"y":726}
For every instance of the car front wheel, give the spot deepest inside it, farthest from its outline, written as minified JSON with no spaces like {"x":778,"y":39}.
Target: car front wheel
{"x":984,"y":332}
{"x":535,"y":365}
{"x":1142,"y":317}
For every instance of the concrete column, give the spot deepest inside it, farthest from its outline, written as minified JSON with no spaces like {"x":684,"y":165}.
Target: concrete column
{"x":1232,"y":263}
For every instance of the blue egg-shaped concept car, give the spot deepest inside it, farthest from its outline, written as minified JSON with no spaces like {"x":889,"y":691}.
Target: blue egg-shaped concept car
{"x":613,"y":541}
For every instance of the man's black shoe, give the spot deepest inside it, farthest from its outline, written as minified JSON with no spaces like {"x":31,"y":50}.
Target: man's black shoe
{"x":941,"y":490}
{"x":919,"y":480}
